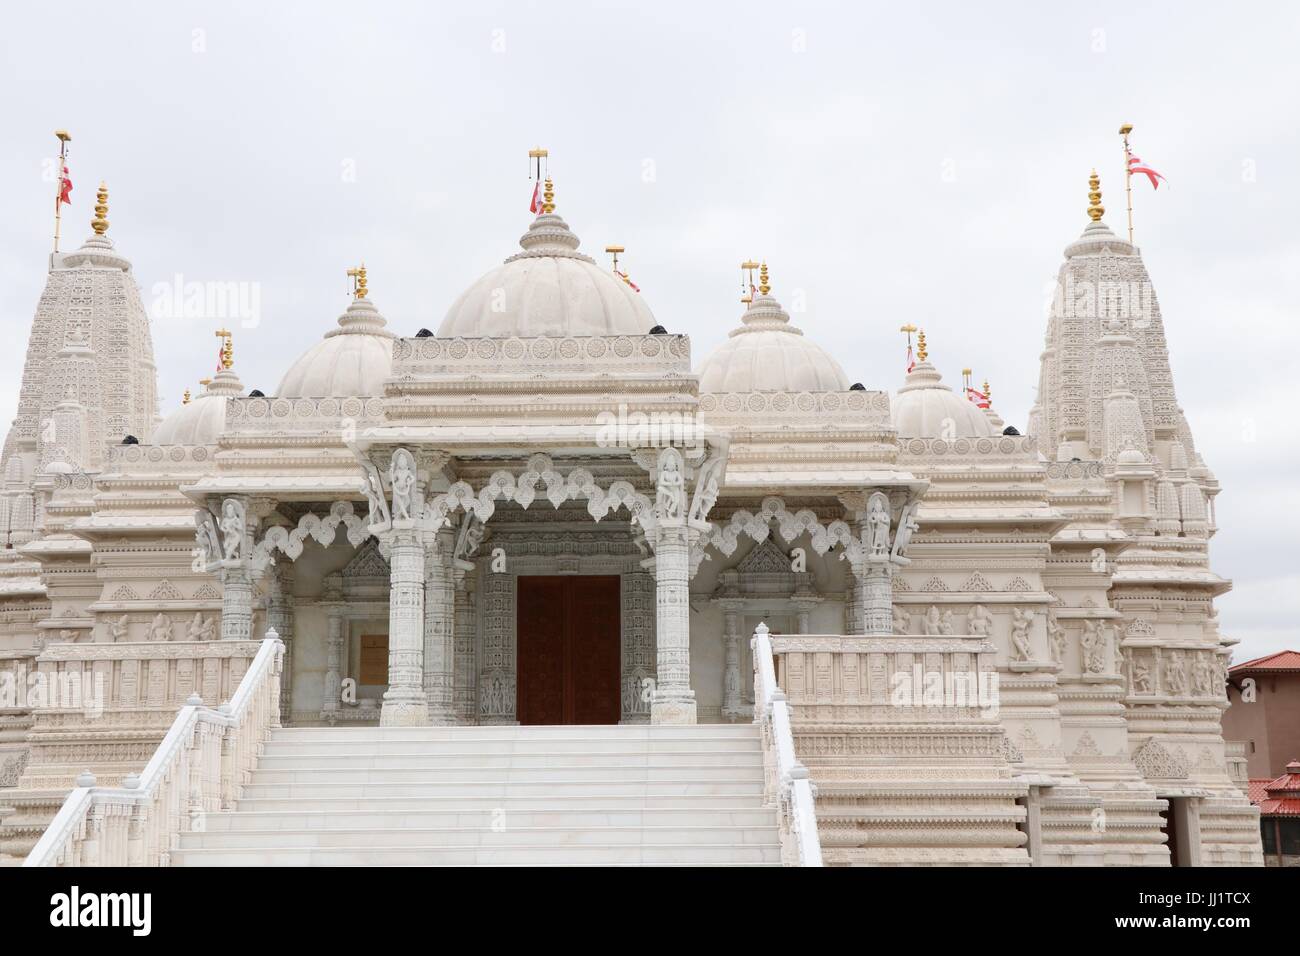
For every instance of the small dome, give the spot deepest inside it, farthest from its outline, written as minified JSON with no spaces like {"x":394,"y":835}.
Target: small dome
{"x":352,"y":362}
{"x":202,"y":421}
{"x":548,"y":289}
{"x":926,"y":408}
{"x":768,"y":354}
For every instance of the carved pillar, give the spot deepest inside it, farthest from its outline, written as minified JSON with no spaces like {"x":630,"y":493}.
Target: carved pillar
{"x":674,"y":701}
{"x":333,"y":662}
{"x":280,"y":617}
{"x":236,"y":603}
{"x":733,"y":702}
{"x":464,"y":677}
{"x":877,"y":600}
{"x":439,"y":627}
{"x":853,"y":608}
{"x":404,"y":702}
{"x":638,"y":646}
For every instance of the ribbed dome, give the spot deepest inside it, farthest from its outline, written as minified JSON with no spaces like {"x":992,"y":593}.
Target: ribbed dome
{"x":202,"y":421}
{"x":548,"y":289}
{"x":926,"y":408}
{"x":768,"y":354}
{"x":352,"y":362}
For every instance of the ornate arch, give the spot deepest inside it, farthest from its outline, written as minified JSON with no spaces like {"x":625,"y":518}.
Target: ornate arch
{"x":322,"y":530}
{"x":789,"y":525}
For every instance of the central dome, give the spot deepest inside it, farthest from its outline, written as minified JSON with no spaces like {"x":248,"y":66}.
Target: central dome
{"x":548,"y":289}
{"x":768,"y":354}
{"x":352,"y":361}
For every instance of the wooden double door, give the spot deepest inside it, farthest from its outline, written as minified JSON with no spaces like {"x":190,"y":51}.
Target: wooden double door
{"x":567,"y":645}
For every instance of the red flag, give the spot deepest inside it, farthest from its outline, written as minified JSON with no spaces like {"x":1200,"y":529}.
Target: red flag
{"x":623,"y":276}
{"x":911,"y":362}
{"x":65,"y":188}
{"x":979,"y":398}
{"x":221,"y":356}
{"x":1135,"y":165}
{"x":536,"y":205}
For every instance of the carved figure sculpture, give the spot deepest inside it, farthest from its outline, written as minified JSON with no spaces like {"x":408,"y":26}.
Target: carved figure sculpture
{"x":1020,"y":621}
{"x":401,"y":474}
{"x":979,"y":621}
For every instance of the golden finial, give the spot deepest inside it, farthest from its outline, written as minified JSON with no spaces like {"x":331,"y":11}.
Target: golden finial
{"x":548,"y":196}
{"x":228,"y":349}
{"x":358,"y":277}
{"x":1095,"y":209}
{"x":205,"y":382}
{"x":987,"y":394}
{"x":763,"y":287}
{"x":614,"y":251}
{"x":185,"y":399}
{"x":99,"y":223}
{"x":966,"y":372}
{"x":921,"y":353}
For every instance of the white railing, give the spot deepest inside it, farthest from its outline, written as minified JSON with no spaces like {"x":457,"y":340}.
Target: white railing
{"x":787,"y":785}
{"x":200,"y":767}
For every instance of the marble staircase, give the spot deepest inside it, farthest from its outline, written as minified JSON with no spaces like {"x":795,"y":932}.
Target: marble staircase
{"x":607,"y":795}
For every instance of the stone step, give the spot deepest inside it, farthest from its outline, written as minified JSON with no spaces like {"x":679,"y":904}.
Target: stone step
{"x":311,"y":818}
{"x":691,"y":854}
{"x":325,"y":789}
{"x":485,"y":836}
{"x":547,"y":802}
{"x":279,"y":746}
{"x":625,"y":732}
{"x":460,"y":774}
{"x":522,"y":761}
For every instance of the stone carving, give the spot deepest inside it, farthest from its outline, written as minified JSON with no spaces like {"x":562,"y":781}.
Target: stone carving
{"x":670,"y":488}
{"x":977,"y":582}
{"x":232,"y":529}
{"x":201,"y":628}
{"x":119,"y":630}
{"x":1142,"y":676}
{"x":902,"y":621}
{"x":207,"y":542}
{"x":378,"y":515}
{"x":932,"y":623}
{"x":401,"y":475}
{"x":1055,"y":637}
{"x":1093,"y":647}
{"x":706,"y":486}
{"x":979,"y":621}
{"x":1156,"y":761}
{"x":907,"y":526}
{"x":945,"y":623}
{"x":1176,"y":674}
{"x":1202,"y":677}
{"x":161,"y":629}
{"x":1021,"y":619}
{"x":878,"y":525}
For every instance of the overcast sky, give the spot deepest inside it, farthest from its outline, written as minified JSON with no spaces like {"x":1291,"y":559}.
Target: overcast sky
{"x":891,"y":164}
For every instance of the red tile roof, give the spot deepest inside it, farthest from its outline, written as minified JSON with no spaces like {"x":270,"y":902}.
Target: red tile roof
{"x":1281,"y":661}
{"x":1282,"y":796}
{"x":1255,"y":787}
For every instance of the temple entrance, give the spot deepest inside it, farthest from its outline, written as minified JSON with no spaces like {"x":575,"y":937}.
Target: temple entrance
{"x":568,"y":649}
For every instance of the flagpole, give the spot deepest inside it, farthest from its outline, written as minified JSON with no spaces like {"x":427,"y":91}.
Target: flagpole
{"x":63,"y":136}
{"x":1128,"y":177}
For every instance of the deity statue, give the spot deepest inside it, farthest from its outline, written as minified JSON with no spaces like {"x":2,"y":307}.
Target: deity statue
{"x":1056,"y":637}
{"x":120,"y":629}
{"x":1176,"y":674}
{"x":374,"y":489}
{"x":945,"y":624}
{"x":1141,"y":675}
{"x":205,"y":536}
{"x":932,"y":622}
{"x":1020,"y":621}
{"x":161,"y":628}
{"x":979,"y":621}
{"x":1202,"y":677}
{"x":1093,"y":645}
{"x":706,"y":487}
{"x":902,"y":621}
{"x":878,"y":524}
{"x":401,"y":474}
{"x":907,"y":524}
{"x":232,"y":528}
{"x":671,"y":486}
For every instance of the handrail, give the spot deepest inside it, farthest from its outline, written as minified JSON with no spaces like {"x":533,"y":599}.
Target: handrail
{"x":787,"y":783}
{"x":201,"y":766}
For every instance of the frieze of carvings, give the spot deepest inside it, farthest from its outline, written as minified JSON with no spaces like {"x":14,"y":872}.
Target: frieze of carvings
{"x":856,"y":408}
{"x":1159,"y":762}
{"x":935,"y":584}
{"x":969,"y":447}
{"x":301,"y":415}
{"x":977,"y":582}
{"x":789,"y":525}
{"x":1019,"y":585}
{"x":206,"y":592}
{"x":13,"y":769}
{"x":165,"y":591}
{"x":435,"y":355}
{"x":321,"y":530}
{"x":124,"y":593}
{"x":540,"y":478}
